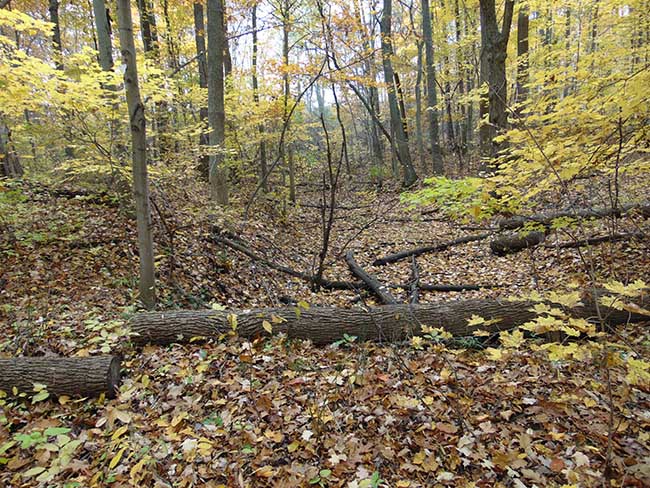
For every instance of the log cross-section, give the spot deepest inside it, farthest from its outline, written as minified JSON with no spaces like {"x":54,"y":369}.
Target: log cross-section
{"x":86,"y":377}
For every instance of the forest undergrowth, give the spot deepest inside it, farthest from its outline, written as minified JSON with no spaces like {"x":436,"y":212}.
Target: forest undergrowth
{"x":432,"y":411}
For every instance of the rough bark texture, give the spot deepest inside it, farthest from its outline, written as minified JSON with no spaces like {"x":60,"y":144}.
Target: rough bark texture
{"x":199,"y":40}
{"x":494,"y":51}
{"x":216,"y":111}
{"x":432,"y":98}
{"x":256,"y":98}
{"x":392,"y":258}
{"x":9,"y":162}
{"x":400,"y":140}
{"x":139,"y":155}
{"x":378,"y":289}
{"x":86,"y":377}
{"x":592,"y":213}
{"x":329,"y":324}
{"x":512,"y":243}
{"x":522,"y":54}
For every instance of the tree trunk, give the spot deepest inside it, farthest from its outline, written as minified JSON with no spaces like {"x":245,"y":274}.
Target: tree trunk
{"x":287,"y":149}
{"x":199,"y":38}
{"x":104,"y":44}
{"x":56,"y":34}
{"x":148,"y":28}
{"x":86,"y":377}
{"x":432,"y":97}
{"x":9,"y":162}
{"x":418,"y":110}
{"x":139,"y":155}
{"x":512,"y":243}
{"x":329,"y":324}
{"x":216,"y":110}
{"x":256,"y":99}
{"x":400,"y":139}
{"x":494,"y":44}
{"x":522,"y":54}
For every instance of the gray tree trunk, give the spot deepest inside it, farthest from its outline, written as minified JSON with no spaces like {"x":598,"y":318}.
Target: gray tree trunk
{"x":9,"y":162}
{"x":199,"y":39}
{"x":494,"y":44}
{"x":104,"y":44}
{"x":522,"y":54}
{"x":139,"y":155}
{"x":287,"y":148}
{"x":216,"y":110}
{"x":432,"y":97}
{"x":256,"y":99}
{"x":148,"y":28}
{"x":396,"y":122}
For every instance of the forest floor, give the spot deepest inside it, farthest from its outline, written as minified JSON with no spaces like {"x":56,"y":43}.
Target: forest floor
{"x":284,"y":413}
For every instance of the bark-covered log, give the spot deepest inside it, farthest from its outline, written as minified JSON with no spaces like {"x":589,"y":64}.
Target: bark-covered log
{"x":592,"y":213}
{"x":380,"y":290}
{"x":512,"y":243}
{"x":329,"y":324}
{"x":392,"y":258}
{"x":88,"y":377}
{"x":590,"y":241}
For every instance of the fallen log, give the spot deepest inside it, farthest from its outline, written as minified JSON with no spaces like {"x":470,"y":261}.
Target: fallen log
{"x":329,"y":324}
{"x":590,"y":241}
{"x":392,"y":258}
{"x":371,"y":282}
{"x":512,"y":243}
{"x":547,"y":219}
{"x":86,"y":377}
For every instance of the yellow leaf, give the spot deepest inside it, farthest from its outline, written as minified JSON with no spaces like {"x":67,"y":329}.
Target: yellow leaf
{"x":116,"y":460}
{"x":119,"y":432}
{"x":138,"y":467}
{"x":267,"y":326}
{"x":494,"y":354}
{"x":178,"y":419}
{"x":293,"y":446}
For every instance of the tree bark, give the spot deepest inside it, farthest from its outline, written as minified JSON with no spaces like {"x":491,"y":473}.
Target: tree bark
{"x":87,"y":377}
{"x":400,"y":139}
{"x":56,"y":34}
{"x":256,"y":99}
{"x":378,"y":289}
{"x":512,"y":243}
{"x":521,"y":91}
{"x":392,"y":258}
{"x":328,"y":324}
{"x":199,"y":39}
{"x":104,"y":44}
{"x":148,"y":28}
{"x":9,"y":162}
{"x":432,"y":98}
{"x":216,"y":110}
{"x":139,"y":155}
{"x":494,"y":45}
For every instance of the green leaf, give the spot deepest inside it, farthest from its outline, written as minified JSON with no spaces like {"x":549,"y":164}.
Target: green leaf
{"x":33,"y":472}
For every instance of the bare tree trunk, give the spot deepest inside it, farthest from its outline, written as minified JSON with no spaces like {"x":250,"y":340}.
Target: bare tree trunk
{"x":522,"y":54}
{"x":86,"y":377}
{"x":148,"y":28}
{"x":199,"y":38}
{"x":9,"y":162}
{"x":494,"y":44}
{"x":418,"y":110}
{"x":256,"y":99}
{"x":432,"y":97}
{"x":56,"y":34}
{"x":287,"y":148}
{"x":400,"y":137}
{"x":216,"y":110}
{"x":104,"y":44}
{"x":139,"y":151}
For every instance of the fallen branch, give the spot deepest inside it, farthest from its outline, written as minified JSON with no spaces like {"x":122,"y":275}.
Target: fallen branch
{"x":414,"y":290}
{"x":512,"y":243}
{"x":597,"y":240}
{"x":594,"y":213}
{"x":380,"y":290}
{"x":329,"y":324}
{"x":86,"y":377}
{"x":392,"y":258}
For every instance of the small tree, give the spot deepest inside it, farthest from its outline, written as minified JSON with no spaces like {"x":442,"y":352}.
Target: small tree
{"x":139,"y":155}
